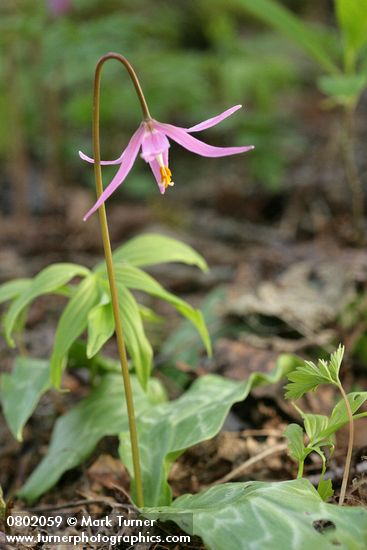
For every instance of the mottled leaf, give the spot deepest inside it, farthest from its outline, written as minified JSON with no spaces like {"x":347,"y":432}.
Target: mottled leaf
{"x":21,"y":391}
{"x":266,"y":516}
{"x":195,"y":416}
{"x":76,"y":433}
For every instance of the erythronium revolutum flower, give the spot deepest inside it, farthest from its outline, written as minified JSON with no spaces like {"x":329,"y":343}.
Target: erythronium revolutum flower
{"x":152,"y":137}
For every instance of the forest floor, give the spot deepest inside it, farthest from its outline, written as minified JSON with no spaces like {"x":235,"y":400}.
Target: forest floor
{"x":286,"y":276}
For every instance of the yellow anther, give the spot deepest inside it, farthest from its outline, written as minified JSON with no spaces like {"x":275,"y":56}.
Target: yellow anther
{"x":166,"y":176}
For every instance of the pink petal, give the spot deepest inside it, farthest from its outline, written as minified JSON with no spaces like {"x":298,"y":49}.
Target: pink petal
{"x":103,"y":162}
{"x":130,"y":155}
{"x":195,"y":145}
{"x":154,"y":143}
{"x":157,"y":174}
{"x":214,"y":120}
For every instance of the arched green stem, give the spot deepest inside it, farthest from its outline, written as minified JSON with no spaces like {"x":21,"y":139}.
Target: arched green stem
{"x":109,"y":260}
{"x":350,"y":446}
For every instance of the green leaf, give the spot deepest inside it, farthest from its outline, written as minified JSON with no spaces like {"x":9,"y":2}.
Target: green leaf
{"x":101,"y":326}
{"x":297,"y":449}
{"x":315,"y":424}
{"x":309,"y":376}
{"x":48,"y":280}
{"x":76,"y":433}
{"x":137,"y":344}
{"x":339,"y":416}
{"x":73,"y":322}
{"x":136,"y":279}
{"x":352,"y":19}
{"x":343,"y":89}
{"x":21,"y":391}
{"x":183,"y":344}
{"x":283,"y":20}
{"x":325,"y":489}
{"x":151,"y":249}
{"x":195,"y":416}
{"x":11,"y":289}
{"x":270,"y":516}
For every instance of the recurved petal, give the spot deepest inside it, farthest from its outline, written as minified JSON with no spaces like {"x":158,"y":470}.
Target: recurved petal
{"x":214,"y":120}
{"x":103,"y":162}
{"x":130,"y":154}
{"x":195,"y":145}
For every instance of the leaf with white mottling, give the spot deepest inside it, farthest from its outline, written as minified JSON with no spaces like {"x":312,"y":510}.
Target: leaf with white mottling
{"x":77,"y":432}
{"x":21,"y":391}
{"x":195,"y":416}
{"x":288,"y":515}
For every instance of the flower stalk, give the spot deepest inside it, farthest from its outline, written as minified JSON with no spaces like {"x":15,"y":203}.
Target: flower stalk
{"x":109,"y":261}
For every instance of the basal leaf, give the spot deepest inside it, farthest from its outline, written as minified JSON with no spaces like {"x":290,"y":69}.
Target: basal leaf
{"x":21,"y":391}
{"x":151,"y":249}
{"x":183,"y":344}
{"x":270,"y":516}
{"x":137,"y":344}
{"x":136,"y":279}
{"x":195,"y":416}
{"x":12,"y":289}
{"x":101,"y":326}
{"x":76,"y":433}
{"x":72,"y":324}
{"x":48,"y":280}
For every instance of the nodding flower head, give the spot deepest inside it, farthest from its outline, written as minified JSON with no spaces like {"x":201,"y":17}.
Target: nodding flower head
{"x":152,"y":138}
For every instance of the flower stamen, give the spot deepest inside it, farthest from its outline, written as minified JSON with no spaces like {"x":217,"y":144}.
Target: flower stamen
{"x":165,"y":172}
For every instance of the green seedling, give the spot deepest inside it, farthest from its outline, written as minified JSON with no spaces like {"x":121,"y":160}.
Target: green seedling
{"x":320,"y":429}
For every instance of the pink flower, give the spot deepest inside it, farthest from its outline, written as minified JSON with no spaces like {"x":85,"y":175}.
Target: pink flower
{"x":152,"y":137}
{"x":59,"y":7}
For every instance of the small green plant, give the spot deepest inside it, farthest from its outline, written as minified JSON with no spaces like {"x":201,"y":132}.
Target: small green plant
{"x":320,"y":429}
{"x":342,"y":56}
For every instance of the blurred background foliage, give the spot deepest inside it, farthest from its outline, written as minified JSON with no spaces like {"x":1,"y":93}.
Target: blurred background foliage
{"x":195,"y":58}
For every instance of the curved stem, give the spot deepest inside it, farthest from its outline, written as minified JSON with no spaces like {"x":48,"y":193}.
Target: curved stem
{"x":350,"y":447}
{"x":109,"y":262}
{"x":132,"y":74}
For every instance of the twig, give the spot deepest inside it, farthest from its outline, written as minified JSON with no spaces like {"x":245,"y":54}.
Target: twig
{"x":240,"y":470}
